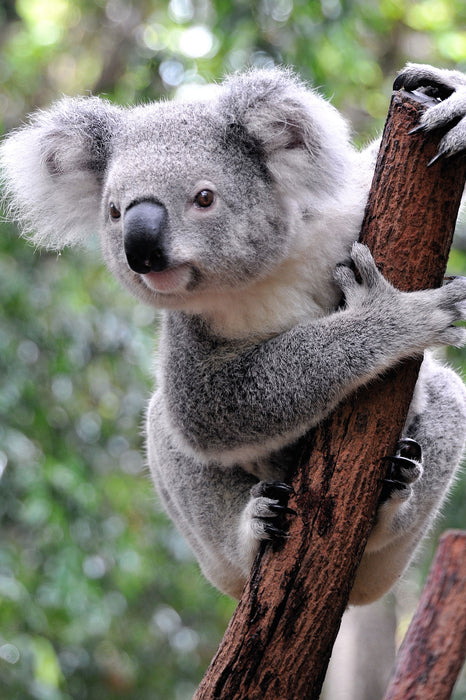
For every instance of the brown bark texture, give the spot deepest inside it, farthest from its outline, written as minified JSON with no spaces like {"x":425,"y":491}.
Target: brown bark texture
{"x":279,"y":640}
{"x":434,"y":648}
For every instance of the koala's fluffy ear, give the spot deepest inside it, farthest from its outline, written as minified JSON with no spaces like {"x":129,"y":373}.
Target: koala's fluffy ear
{"x":295,"y":128}
{"x":52,"y":170}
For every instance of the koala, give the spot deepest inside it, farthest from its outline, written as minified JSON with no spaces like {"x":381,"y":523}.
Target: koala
{"x":237,"y":215}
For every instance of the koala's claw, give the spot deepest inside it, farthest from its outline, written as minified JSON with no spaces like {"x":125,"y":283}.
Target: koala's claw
{"x":407,"y":447}
{"x":405,"y":469}
{"x":282,"y":510}
{"x":448,"y":88}
{"x":417,"y":129}
{"x":273,"y":489}
{"x":275,"y":532}
{"x":427,"y":85}
{"x":429,"y":80}
{"x":440,"y":154}
{"x":401,"y":462}
{"x":270,"y":508}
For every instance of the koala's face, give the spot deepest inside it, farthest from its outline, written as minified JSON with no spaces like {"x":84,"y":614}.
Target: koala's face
{"x":191,"y":199}
{"x":188,"y":206}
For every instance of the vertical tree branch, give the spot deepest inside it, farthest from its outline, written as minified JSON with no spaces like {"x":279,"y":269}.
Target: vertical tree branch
{"x":434,"y":648}
{"x":279,"y":641}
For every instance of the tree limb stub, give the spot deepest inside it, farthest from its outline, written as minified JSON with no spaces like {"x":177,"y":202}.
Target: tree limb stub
{"x":279,"y":640}
{"x":434,"y":648}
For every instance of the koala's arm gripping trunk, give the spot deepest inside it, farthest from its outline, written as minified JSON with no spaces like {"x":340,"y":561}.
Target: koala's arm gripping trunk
{"x":279,"y":641}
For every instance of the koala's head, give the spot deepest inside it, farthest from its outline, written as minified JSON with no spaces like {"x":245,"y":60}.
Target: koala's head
{"x":188,"y":198}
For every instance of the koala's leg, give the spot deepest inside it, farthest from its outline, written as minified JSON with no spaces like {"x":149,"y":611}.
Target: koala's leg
{"x":223,"y":512}
{"x":437,"y":421}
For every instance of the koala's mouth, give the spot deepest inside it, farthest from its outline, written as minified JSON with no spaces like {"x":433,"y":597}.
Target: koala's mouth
{"x":171,"y":281}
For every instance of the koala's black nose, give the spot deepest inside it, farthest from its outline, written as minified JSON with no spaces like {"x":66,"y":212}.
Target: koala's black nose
{"x":144,"y":227}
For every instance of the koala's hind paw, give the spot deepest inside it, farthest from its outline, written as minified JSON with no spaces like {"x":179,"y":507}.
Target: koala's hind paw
{"x":269,"y":509}
{"x":405,"y":467}
{"x":394,"y":513}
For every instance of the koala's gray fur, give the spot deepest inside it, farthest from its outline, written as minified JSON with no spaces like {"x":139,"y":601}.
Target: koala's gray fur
{"x":254,"y":350}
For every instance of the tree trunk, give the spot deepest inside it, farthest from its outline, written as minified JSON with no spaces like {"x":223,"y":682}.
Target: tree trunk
{"x":434,"y":648}
{"x":280,"y":638}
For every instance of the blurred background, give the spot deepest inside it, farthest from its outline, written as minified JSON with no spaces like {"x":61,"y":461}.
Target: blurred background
{"x":99,"y":597}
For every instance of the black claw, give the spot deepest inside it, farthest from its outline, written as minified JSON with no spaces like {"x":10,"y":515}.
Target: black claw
{"x":400,"y":461}
{"x":419,"y":127}
{"x":394,"y":483}
{"x":282,"y":510}
{"x":428,"y":85}
{"x":273,"y":489}
{"x":275,"y":531}
{"x":275,"y":524}
{"x":440,"y":154}
{"x":409,"y":452}
{"x":407,"y":447}
{"x":281,"y":486}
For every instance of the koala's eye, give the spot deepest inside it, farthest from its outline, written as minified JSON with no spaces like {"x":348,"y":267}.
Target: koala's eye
{"x":114,"y":212}
{"x":204,"y":199}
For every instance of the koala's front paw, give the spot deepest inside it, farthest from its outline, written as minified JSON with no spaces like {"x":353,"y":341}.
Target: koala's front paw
{"x":269,"y":508}
{"x":372,"y":280}
{"x":449,"y":87}
{"x":405,"y":467}
{"x":421,"y":319}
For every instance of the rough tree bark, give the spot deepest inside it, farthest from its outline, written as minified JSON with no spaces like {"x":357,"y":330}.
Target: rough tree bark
{"x":279,"y":640}
{"x":434,"y":648}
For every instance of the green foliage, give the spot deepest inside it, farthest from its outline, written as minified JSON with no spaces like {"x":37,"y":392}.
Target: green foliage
{"x":99,"y":597}
{"x":352,"y":48}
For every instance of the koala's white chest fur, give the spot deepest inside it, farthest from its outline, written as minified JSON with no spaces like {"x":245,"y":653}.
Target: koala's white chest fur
{"x":301,"y":287}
